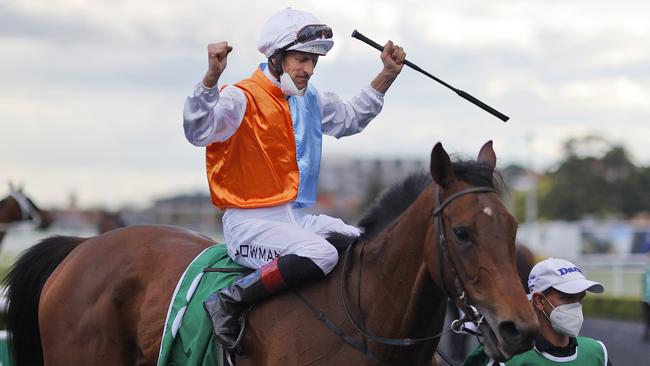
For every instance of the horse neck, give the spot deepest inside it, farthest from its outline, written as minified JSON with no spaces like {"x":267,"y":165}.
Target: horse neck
{"x":4,"y":210}
{"x":401,"y":299}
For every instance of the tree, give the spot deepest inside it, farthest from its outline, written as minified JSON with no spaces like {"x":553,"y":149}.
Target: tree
{"x":595,"y":178}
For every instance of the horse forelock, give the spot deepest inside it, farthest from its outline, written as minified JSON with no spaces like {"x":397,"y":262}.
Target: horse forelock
{"x":397,"y":198}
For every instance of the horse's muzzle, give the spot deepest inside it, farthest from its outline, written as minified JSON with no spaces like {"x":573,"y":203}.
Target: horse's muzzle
{"x":516,"y":338}
{"x":509,"y":339}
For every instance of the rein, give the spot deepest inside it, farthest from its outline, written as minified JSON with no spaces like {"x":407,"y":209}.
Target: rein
{"x":471,"y":312}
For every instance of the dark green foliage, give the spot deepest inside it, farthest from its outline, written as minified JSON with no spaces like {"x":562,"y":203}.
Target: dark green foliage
{"x":620,"y":308}
{"x":596,"y":179}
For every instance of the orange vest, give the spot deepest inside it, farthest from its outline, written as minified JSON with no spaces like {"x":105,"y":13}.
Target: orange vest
{"x":256,"y":166}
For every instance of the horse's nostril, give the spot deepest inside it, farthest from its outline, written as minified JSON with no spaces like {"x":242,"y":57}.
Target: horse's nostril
{"x":509,"y":332}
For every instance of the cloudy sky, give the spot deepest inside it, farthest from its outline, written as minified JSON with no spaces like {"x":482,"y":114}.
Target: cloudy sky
{"x":91,"y":92}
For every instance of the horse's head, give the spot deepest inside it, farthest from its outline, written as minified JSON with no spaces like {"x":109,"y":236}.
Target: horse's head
{"x":18,"y":207}
{"x":472,"y":252}
{"x":108,"y":221}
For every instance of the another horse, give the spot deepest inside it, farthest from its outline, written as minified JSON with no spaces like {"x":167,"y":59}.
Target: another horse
{"x":108,"y":220}
{"x":525,"y":263}
{"x":104,"y":299}
{"x":17,"y":207}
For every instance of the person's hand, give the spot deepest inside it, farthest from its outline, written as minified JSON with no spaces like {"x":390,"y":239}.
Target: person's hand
{"x":393,"y":58}
{"x":217,"y":62}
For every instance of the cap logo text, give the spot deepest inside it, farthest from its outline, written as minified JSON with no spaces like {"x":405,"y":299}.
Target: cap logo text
{"x":566,"y":270}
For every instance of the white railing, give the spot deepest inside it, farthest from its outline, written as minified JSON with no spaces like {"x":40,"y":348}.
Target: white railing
{"x":621,"y":276}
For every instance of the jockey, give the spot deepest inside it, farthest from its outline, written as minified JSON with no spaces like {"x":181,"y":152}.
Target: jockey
{"x":263,"y":149}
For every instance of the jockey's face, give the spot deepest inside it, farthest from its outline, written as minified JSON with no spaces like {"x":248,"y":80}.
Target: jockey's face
{"x":300,"y":66}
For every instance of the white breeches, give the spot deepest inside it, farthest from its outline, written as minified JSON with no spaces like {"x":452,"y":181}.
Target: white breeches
{"x":257,"y":236}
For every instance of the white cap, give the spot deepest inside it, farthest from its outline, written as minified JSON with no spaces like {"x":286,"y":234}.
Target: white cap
{"x":282,"y":28}
{"x":562,"y":275}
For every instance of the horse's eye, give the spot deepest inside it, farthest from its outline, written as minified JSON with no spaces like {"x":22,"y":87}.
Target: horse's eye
{"x":462,"y":233}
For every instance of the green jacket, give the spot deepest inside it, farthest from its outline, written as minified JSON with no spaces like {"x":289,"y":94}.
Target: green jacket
{"x":589,"y":352}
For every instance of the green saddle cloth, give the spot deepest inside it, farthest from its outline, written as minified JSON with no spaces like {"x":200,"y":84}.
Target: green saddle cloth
{"x":187,"y":338}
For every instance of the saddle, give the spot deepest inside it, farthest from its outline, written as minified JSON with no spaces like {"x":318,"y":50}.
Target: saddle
{"x":187,"y":337}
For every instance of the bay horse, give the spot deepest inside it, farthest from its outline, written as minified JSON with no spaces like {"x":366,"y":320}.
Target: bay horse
{"x":458,"y":342}
{"x":109,"y":220}
{"x":17,"y":207}
{"x":103,"y":300}
{"x":525,"y":259}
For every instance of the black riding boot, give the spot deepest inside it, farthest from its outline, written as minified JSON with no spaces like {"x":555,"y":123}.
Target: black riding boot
{"x":227,"y":308}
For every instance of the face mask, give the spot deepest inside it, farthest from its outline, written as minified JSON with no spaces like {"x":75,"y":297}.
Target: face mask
{"x":288,"y":87}
{"x":566,"y":319}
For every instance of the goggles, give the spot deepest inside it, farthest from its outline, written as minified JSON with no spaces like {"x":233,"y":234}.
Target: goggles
{"x":310,"y":33}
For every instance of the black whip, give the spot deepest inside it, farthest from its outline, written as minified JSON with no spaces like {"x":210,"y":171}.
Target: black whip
{"x":415,"y":67}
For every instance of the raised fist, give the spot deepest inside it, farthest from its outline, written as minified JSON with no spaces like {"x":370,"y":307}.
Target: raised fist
{"x":393,"y":58}
{"x":217,"y":61}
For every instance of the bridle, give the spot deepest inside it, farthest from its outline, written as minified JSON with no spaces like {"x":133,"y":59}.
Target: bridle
{"x":443,"y":253}
{"x":471,"y":313}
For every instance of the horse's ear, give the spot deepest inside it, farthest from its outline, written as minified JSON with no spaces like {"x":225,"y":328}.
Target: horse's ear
{"x":487,"y":155}
{"x":441,"y":171}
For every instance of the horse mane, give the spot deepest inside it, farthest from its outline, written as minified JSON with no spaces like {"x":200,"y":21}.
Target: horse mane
{"x":392,"y":202}
{"x":397,"y":198}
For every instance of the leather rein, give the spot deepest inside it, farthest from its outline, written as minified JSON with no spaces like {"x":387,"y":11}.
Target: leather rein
{"x":471,"y":313}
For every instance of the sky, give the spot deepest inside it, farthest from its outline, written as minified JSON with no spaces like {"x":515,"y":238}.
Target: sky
{"x":92,"y":92}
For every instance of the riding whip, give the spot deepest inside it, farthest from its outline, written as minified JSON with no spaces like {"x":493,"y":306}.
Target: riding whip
{"x":415,"y":67}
